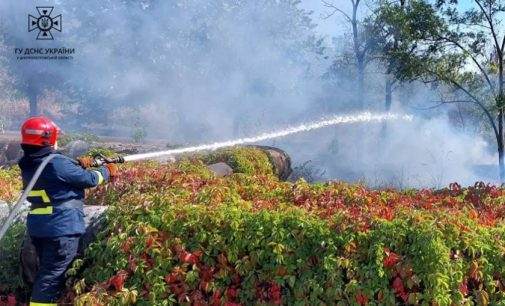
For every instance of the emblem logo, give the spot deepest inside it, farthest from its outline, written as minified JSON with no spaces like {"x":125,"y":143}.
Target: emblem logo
{"x":44,"y":23}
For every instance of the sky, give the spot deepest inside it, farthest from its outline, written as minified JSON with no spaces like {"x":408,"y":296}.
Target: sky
{"x":335,"y":25}
{"x":325,"y":26}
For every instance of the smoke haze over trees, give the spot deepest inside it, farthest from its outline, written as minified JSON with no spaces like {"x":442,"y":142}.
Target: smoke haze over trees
{"x":200,"y":71}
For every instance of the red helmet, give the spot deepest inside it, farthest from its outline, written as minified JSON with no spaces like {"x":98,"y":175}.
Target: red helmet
{"x":39,"y":131}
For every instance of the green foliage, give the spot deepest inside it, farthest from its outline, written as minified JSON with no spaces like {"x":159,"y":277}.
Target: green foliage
{"x":443,"y":42}
{"x":175,"y":234}
{"x":10,"y":279}
{"x":245,"y":160}
{"x":101,"y":151}
{"x":10,"y":184}
{"x":139,"y":134}
{"x":10,"y":246}
{"x":69,"y":137}
{"x":400,"y":27}
{"x":195,"y":167}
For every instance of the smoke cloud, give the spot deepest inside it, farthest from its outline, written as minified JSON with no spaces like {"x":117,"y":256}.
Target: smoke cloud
{"x":200,"y":71}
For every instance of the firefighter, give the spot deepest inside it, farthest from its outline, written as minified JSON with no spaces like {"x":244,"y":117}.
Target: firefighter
{"x":55,"y":221}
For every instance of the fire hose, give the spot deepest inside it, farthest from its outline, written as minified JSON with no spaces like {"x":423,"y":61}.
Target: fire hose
{"x":98,"y":160}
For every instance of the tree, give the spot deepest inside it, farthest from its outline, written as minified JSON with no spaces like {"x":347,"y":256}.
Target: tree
{"x":462,"y":48}
{"x":388,"y":42}
{"x":33,"y":81}
{"x":30,"y":77}
{"x":362,"y":43}
{"x":232,"y":56}
{"x":390,"y":23}
{"x":238,"y":57}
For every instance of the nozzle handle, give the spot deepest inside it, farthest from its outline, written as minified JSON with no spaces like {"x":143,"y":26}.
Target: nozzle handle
{"x":100,"y":160}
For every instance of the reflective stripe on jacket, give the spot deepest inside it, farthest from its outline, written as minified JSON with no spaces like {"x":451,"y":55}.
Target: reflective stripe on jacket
{"x":57,"y":196}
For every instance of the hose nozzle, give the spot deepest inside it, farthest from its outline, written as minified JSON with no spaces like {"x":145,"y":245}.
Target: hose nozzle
{"x":100,"y":160}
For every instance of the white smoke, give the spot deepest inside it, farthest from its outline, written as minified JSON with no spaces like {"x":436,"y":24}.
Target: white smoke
{"x":201,"y":71}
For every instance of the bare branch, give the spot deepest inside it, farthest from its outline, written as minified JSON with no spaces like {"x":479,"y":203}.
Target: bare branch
{"x":474,"y":60}
{"x":441,"y":103}
{"x":481,"y":105}
{"x":473,"y":98}
{"x":491,"y":26}
{"x":335,"y":10}
{"x":503,"y":44}
{"x":478,"y":25}
{"x":370,"y":59}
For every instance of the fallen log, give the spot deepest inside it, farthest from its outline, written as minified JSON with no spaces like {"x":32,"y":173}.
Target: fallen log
{"x":280,"y":160}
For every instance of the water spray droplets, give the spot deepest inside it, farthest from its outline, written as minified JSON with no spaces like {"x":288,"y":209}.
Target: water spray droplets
{"x":324,"y":122}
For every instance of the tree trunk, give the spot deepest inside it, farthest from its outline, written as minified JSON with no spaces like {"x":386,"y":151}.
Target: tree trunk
{"x":501,"y":164}
{"x":360,"y":58}
{"x":32,"y":96}
{"x":388,"y":99}
{"x":500,"y":104}
{"x":360,"y":84}
{"x":359,"y":103}
{"x":389,"y":93}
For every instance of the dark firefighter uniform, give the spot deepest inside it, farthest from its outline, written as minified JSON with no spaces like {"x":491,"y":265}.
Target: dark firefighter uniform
{"x":56,"y":218}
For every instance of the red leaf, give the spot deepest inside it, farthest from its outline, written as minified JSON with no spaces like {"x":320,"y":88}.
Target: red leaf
{"x":204,"y":286}
{"x":391,"y":258}
{"x":361,"y":299}
{"x":171,"y":278}
{"x":235,"y":279}
{"x":221,"y":258}
{"x":231,"y":293}
{"x":463,"y":288}
{"x":179,"y":289}
{"x":126,"y":246}
{"x":147,"y":259}
{"x":187,"y":257}
{"x":11,"y":300}
{"x":117,"y":281}
{"x":207,"y":273}
{"x":275,"y":293}
{"x":405,"y":296}
{"x":398,"y":286}
{"x":149,"y":242}
{"x":132,"y":264}
{"x":216,"y":298}
{"x":198,"y":254}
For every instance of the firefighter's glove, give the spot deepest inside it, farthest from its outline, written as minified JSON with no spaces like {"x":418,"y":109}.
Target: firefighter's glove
{"x":113,"y":169}
{"x":85,"y":161}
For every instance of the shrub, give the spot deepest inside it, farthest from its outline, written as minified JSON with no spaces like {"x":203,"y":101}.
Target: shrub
{"x":69,"y":137}
{"x":245,"y":160}
{"x":10,"y":247}
{"x":101,"y":151}
{"x":175,"y":233}
{"x":10,"y":184}
{"x":139,"y":134}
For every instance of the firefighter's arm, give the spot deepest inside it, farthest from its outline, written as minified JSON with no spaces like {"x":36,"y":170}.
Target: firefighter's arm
{"x":75,"y":175}
{"x":87,"y":162}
